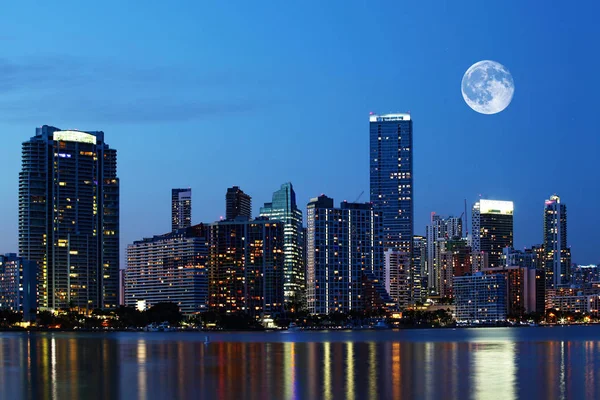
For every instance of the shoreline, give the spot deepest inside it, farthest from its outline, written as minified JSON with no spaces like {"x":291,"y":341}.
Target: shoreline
{"x":217,"y":331}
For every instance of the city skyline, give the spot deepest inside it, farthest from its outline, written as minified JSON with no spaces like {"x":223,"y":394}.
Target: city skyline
{"x":213,"y":100}
{"x":256,"y":213}
{"x":298,"y":200}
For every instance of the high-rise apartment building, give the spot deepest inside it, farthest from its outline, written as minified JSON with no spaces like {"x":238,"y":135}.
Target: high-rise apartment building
{"x":521,"y":289}
{"x":455,"y":260}
{"x":438,"y":232}
{"x":391,"y":177}
{"x":237,"y":204}
{"x":558,"y":255}
{"x":283,"y":208}
{"x":492,"y":229}
{"x":69,"y":217}
{"x":246,"y":260}
{"x":18,"y":285}
{"x":397,"y":276}
{"x":181,"y":208}
{"x":343,"y":244}
{"x":480,"y":297}
{"x":418,"y":280}
{"x":170,"y":268}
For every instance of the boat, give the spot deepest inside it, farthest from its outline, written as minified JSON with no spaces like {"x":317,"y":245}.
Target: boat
{"x":293,"y":327}
{"x":151,"y":328}
{"x":381,"y":325}
{"x":533,"y":324}
{"x":166,"y":327}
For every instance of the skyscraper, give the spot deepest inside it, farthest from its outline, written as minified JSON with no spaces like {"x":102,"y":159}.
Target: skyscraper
{"x":69,"y":217}
{"x":440,"y":230}
{"x":557,"y":254}
{"x":343,"y":244}
{"x":238,"y":204}
{"x":418,"y":280}
{"x":492,"y":229}
{"x":246,"y":261}
{"x":181,"y":208}
{"x":391,"y":176}
{"x":283,"y":208}
{"x":397,"y":276}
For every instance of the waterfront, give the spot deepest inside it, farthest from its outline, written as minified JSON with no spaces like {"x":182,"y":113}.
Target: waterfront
{"x":503,"y":363}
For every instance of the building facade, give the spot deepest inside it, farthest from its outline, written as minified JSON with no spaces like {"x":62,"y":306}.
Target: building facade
{"x":181,"y":208}
{"x":391,"y":177}
{"x":283,"y":208}
{"x":69,"y":218}
{"x":440,"y":230}
{"x":582,"y":275}
{"x":342,"y":245}
{"x":454,"y":260}
{"x":532,"y":257}
{"x":170,"y":268}
{"x":238,"y":205}
{"x":446,"y":274}
{"x":397,"y":277}
{"x":480,"y":297}
{"x":492,"y":229}
{"x":521,"y":289}
{"x":18,"y":285}
{"x":558,"y":255}
{"x":418,"y":280}
{"x":246,"y":267}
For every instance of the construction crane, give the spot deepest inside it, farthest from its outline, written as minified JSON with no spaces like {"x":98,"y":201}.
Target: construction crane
{"x":465,"y":219}
{"x":359,"y":196}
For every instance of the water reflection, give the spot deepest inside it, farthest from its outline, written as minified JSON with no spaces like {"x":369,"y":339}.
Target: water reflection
{"x":494,"y":369}
{"x":142,"y":372}
{"x":155,"y":366}
{"x":350,"y":395}
{"x":327,"y":371}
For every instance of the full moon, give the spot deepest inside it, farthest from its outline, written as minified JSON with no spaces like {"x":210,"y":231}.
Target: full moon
{"x":488,"y":87}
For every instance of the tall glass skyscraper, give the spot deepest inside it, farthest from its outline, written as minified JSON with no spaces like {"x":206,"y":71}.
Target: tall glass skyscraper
{"x":181,"y":209}
{"x":557,"y":254}
{"x":283,"y":208}
{"x":391,"y":161}
{"x":492,"y":229}
{"x":69,"y":217}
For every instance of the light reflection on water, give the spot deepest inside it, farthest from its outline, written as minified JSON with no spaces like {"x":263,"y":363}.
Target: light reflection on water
{"x":463,"y":364}
{"x":142,"y":372}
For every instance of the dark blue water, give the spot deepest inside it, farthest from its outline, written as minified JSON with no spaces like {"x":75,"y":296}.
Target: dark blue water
{"x":491,"y":363}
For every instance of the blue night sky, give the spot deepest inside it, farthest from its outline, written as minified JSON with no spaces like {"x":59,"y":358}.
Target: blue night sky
{"x":214,"y":94}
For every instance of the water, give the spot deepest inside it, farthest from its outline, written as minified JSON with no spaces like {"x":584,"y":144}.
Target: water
{"x":491,"y":363}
